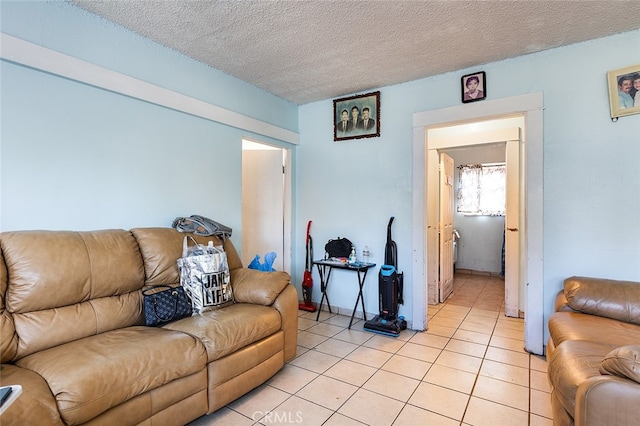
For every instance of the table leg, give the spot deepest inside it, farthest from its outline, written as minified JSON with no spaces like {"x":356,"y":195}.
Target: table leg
{"x":324,"y":281}
{"x":361,"y":280}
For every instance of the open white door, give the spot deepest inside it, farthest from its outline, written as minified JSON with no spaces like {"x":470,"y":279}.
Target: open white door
{"x":433,"y":215}
{"x":445,"y":281}
{"x":263,"y":203}
{"x":512,"y":224}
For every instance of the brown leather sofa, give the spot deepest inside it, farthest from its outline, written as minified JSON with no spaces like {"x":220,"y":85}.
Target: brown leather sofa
{"x":593,"y":353}
{"x":73,"y":335}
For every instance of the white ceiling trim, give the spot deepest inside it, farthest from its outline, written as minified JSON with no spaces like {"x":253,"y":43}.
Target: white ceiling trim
{"x":41,"y":58}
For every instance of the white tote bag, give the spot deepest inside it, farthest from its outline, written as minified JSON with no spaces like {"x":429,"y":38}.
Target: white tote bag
{"x":204,"y":274}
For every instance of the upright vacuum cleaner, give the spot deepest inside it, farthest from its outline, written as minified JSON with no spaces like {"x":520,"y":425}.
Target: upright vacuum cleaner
{"x":307,"y":281}
{"x":390,"y":283}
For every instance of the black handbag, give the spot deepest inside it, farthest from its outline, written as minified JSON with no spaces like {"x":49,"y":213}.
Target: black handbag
{"x":338,"y":248}
{"x":162,"y":307}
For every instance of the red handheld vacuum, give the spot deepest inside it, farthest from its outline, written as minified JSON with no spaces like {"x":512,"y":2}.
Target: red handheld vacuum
{"x":307,"y":280}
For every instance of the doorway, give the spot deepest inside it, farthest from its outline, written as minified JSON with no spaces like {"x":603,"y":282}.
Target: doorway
{"x":530,"y":107}
{"x":480,"y":262}
{"x":498,"y":143}
{"x":266,"y":203}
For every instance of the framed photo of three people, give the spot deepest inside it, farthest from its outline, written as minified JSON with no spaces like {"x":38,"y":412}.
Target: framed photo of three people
{"x":356,"y":117}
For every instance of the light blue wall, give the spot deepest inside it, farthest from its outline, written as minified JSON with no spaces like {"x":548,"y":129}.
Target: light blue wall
{"x":591,"y":172}
{"x":76,"y":157}
{"x":65,"y":28}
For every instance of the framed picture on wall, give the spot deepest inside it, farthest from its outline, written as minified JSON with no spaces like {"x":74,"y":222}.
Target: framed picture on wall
{"x":356,"y":117}
{"x":474,"y":87}
{"x":624,"y":91}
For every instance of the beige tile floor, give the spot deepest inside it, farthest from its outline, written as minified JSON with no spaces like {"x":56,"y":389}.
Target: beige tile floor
{"x":468,"y":368}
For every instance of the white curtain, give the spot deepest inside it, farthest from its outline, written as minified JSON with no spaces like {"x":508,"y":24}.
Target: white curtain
{"x":481,"y":189}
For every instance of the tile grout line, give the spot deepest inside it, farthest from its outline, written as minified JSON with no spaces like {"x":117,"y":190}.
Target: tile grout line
{"x":436,"y":344}
{"x":496,"y":320}
{"x":441,"y":350}
{"x":486,"y":349}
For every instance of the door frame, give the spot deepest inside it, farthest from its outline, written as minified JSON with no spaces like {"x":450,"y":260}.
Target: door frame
{"x":530,"y":106}
{"x":287,"y":207}
{"x":515,"y":215}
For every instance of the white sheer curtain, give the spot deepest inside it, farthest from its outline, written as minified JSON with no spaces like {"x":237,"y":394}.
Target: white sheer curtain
{"x":481,"y":189}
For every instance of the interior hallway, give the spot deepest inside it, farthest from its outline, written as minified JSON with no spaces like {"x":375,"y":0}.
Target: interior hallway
{"x":478,"y":291}
{"x":469,"y":368}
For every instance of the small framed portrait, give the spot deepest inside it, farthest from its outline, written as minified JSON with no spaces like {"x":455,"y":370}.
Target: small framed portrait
{"x":356,"y":117}
{"x":624,"y":91}
{"x":474,"y":87}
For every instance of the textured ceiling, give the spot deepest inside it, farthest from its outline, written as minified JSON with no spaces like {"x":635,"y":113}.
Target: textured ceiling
{"x":305,"y":51}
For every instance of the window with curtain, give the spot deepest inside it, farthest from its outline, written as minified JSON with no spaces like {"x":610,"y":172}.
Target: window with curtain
{"x":482,"y":189}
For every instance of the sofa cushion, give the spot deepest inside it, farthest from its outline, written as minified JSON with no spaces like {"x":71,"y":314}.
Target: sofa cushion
{"x":9,"y":340}
{"x":233,"y":327}
{"x":623,"y":362}
{"x":89,"y":279}
{"x":607,"y":298}
{"x":571,"y":364}
{"x":91,"y":375}
{"x":564,"y":326}
{"x":68,"y":267}
{"x":161,"y":248}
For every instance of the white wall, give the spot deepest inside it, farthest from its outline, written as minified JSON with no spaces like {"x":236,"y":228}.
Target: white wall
{"x":591,"y":173}
{"x":73,"y":156}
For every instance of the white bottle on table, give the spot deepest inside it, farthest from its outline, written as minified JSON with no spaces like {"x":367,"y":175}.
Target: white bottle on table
{"x":366,"y":254}
{"x":352,"y":256}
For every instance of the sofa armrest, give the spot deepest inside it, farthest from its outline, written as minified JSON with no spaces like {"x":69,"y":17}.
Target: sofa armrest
{"x":287,"y":304}
{"x":36,"y":405}
{"x":607,"y":401}
{"x":562,"y":304}
{"x":257,"y":287}
{"x":270,"y":289}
